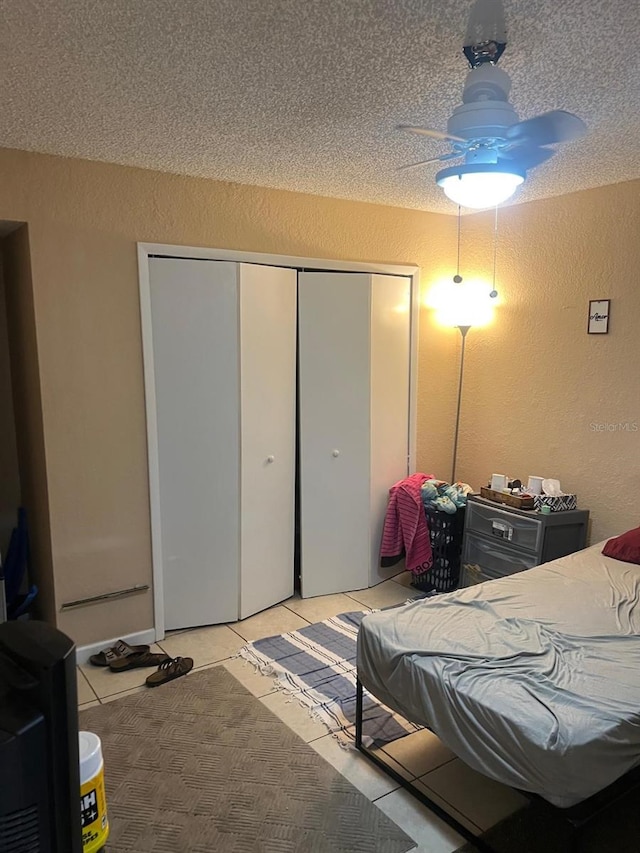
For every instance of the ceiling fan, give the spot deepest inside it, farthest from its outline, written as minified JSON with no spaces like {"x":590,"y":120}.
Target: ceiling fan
{"x":495,"y":147}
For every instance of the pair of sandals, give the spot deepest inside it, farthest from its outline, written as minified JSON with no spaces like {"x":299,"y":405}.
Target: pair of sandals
{"x":122,"y":657}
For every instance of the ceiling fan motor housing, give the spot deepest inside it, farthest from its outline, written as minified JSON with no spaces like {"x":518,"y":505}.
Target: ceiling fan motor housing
{"x":485,"y":112}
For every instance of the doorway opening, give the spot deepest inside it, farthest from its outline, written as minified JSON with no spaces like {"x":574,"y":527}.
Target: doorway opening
{"x":25,"y":543}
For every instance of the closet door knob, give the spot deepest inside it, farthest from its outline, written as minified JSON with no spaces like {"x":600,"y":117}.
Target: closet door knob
{"x":271,"y":458}
{"x":335,"y":453}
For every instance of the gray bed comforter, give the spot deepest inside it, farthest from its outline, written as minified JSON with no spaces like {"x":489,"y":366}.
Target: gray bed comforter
{"x":533,"y":680}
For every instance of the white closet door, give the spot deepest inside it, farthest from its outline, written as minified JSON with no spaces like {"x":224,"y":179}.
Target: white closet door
{"x":390,"y":381}
{"x":268,"y":413}
{"x":335,"y":401}
{"x":194,"y":308}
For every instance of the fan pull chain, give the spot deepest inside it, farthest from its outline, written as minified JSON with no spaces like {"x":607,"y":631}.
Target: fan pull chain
{"x":457,"y":277}
{"x":494,"y":292}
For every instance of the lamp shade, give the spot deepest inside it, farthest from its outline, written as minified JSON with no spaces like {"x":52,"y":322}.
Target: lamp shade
{"x":480,"y":185}
{"x":465,"y":304}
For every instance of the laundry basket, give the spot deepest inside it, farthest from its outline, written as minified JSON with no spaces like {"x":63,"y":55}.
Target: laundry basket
{"x":445,"y":533}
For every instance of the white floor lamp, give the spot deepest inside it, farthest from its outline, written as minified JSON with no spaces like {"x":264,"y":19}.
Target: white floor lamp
{"x":463,"y":332}
{"x":463,"y":309}
{"x":464,"y":328}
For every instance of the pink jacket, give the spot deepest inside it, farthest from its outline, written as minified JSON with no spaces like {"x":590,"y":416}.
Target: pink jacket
{"x":405,"y":526}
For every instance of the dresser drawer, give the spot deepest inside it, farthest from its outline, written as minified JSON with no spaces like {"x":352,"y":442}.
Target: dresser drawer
{"x":482,"y":560}
{"x":506,"y":526}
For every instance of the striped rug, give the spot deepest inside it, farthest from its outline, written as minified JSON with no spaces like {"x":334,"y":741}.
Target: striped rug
{"x":317,"y":667}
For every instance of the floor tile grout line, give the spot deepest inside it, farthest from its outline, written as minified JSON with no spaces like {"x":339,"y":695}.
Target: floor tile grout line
{"x":114,"y":675}
{"x":184,"y":631}
{"x":408,"y":769}
{"x":386,"y":794}
{"x":230,"y":626}
{"x":211,"y":663}
{"x":119,"y":693}
{"x":353,"y":598}
{"x":403,"y":767}
{"x":452,"y":806}
{"x":382,"y":796}
{"x":299,"y":615}
{"x":327,"y":734}
{"x":438,"y":766}
{"x":81,"y":673}
{"x":432,"y":792}
{"x":273,"y":635}
{"x":371,"y":799}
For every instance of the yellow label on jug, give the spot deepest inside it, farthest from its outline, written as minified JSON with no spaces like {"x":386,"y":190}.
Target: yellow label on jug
{"x":93,"y":812}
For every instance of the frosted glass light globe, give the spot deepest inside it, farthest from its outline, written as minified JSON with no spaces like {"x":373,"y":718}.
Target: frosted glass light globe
{"x":478,"y":189}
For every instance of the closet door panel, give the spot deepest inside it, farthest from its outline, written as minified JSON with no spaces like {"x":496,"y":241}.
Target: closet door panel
{"x":194,"y":307}
{"x":268,"y":413}
{"x":333,"y":318}
{"x":390,"y":382}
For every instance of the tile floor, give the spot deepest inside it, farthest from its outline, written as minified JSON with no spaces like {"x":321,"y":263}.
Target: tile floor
{"x":477,"y":802}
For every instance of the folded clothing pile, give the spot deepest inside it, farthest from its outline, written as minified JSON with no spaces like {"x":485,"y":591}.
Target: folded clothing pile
{"x":443,"y":496}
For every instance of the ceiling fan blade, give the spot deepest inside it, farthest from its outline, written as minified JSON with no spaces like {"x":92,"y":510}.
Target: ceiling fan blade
{"x":548,"y":128}
{"x":526,"y":156}
{"x":452,"y":156}
{"x":427,"y":131}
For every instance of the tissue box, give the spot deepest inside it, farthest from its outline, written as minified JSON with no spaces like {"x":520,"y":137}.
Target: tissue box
{"x":557,"y":503}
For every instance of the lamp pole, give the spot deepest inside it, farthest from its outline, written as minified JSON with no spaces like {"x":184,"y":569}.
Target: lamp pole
{"x":463,"y":332}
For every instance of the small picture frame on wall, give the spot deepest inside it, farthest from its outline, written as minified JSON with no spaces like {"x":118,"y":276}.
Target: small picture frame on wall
{"x":598,"y":316}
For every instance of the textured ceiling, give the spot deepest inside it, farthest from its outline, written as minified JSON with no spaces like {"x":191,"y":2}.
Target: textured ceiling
{"x":305,"y":94}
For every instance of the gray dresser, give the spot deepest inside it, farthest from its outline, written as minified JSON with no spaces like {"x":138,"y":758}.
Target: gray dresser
{"x":499,"y":540}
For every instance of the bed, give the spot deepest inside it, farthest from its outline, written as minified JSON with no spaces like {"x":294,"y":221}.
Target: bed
{"x":533,"y":680}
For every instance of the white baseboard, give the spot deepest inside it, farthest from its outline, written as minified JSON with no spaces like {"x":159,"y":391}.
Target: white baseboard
{"x":83,"y":653}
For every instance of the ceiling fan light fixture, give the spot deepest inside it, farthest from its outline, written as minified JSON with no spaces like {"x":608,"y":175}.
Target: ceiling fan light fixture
{"x":480,"y":185}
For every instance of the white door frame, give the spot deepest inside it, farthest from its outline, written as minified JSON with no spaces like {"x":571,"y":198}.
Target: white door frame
{"x":145,"y":250}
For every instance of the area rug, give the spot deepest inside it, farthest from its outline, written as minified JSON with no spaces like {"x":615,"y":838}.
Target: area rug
{"x":202,"y":766}
{"x":317,"y":667}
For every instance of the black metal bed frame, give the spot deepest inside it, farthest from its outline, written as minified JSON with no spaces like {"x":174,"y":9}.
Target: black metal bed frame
{"x":577,"y":817}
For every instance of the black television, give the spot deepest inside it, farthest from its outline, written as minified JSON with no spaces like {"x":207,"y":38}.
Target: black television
{"x":39,"y":765}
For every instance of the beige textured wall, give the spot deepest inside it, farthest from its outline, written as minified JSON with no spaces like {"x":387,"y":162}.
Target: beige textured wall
{"x":9,"y":472}
{"x":534,"y":380}
{"x":84,"y":220}
{"x":27,"y":403}
{"x":536,"y":383}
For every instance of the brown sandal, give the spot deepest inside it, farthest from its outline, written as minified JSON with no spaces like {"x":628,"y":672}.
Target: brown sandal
{"x":133,"y":661}
{"x":121,"y":650}
{"x":170,"y":669}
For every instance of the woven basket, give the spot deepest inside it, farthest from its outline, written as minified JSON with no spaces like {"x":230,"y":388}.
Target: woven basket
{"x":445,"y":532}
